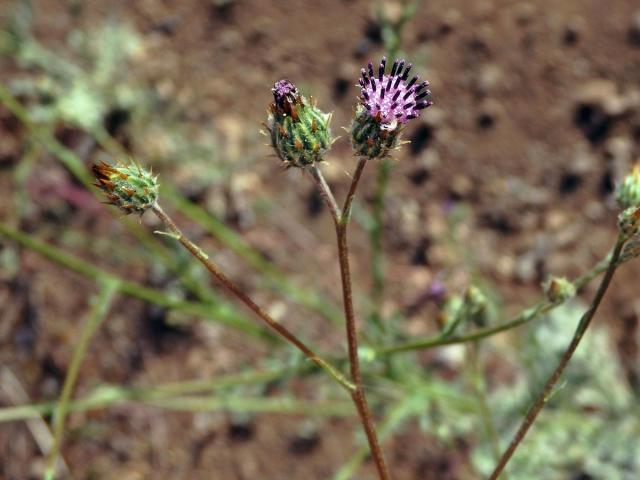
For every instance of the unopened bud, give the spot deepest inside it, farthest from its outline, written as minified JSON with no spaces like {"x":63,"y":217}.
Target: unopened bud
{"x":629,"y":222}
{"x":128,"y":187}
{"x":299,"y":130}
{"x":476,"y":306}
{"x":558,"y":289}
{"x":628,"y":192}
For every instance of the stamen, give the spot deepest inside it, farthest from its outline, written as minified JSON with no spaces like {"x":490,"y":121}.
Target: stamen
{"x":394,"y":67}
{"x":381,"y":68}
{"x":406,"y":72}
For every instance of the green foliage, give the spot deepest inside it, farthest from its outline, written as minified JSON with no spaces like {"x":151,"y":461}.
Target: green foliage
{"x":591,"y":424}
{"x":81,"y":90}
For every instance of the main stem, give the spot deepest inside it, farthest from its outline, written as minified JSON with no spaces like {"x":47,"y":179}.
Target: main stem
{"x":341,"y":221}
{"x":197,"y":252}
{"x":566,"y":357}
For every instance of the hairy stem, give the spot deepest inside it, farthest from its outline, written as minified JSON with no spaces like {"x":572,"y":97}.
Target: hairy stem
{"x":341,"y":220}
{"x":97,"y":314}
{"x":203,"y":258}
{"x":544,"y":396}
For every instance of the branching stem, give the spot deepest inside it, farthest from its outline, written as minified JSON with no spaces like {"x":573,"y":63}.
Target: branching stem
{"x":281,"y":330}
{"x":544,"y":396}
{"x":341,"y":221}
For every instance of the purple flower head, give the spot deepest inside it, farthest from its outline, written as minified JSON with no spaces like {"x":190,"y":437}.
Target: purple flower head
{"x":392,"y":98}
{"x":285,"y":95}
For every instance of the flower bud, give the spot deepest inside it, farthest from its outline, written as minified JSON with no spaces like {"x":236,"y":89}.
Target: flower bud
{"x":628,"y":192}
{"x":387,"y":103}
{"x":629,"y":222}
{"x":128,"y":187}
{"x":476,"y":306}
{"x":299,"y":131}
{"x":558,"y":289}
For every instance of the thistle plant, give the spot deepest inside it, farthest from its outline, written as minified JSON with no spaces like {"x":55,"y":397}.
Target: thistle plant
{"x":300,"y":136}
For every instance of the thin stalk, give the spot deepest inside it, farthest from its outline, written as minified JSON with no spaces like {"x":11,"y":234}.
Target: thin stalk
{"x":544,"y":396}
{"x":341,"y":221}
{"x":91,"y":324}
{"x":398,"y":413}
{"x":107,"y":395}
{"x":287,"y":335}
{"x":479,"y":387}
{"x":525,"y":316}
{"x":208,"y":403}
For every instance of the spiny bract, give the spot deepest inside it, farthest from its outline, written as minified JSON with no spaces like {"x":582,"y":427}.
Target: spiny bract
{"x":128,"y":187}
{"x":299,"y":131}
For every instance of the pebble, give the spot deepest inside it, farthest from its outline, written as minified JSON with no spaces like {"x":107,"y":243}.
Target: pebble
{"x":603,"y":94}
{"x":634,"y":30}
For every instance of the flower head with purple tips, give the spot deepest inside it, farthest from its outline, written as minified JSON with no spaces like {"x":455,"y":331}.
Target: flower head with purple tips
{"x":387,"y":102}
{"x":285,"y":95}
{"x":391,"y":98}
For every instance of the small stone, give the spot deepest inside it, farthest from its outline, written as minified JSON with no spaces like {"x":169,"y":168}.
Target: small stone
{"x":461,"y":186}
{"x":634,"y":30}
{"x":603,"y":94}
{"x":306,"y":440}
{"x":573,"y":30}
{"x":490,"y":112}
{"x":525,"y":268}
{"x":449,"y":21}
{"x":524,"y":12}
{"x":598,"y":103}
{"x":489,"y":79}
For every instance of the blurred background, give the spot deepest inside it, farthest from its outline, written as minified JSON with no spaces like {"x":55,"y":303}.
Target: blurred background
{"x":508,"y":178}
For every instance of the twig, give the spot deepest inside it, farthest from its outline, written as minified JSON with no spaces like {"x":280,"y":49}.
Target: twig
{"x":544,"y":396}
{"x":341,"y":221}
{"x":525,"y":316}
{"x":203,"y":258}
